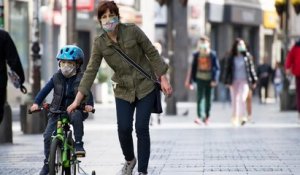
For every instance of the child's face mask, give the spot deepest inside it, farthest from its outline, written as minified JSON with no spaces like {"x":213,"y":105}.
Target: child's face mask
{"x":68,"y":69}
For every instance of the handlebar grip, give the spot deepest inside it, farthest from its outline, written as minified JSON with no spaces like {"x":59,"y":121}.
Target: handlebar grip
{"x":31,"y":112}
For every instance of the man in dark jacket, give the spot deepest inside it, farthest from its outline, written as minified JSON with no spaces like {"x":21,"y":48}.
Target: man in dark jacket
{"x":9,"y":55}
{"x":264,"y":73}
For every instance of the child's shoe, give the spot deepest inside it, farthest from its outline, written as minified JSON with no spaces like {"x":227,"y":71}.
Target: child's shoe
{"x":79,"y":150}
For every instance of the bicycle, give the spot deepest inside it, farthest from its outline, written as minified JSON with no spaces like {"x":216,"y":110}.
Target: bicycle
{"x":62,"y":158}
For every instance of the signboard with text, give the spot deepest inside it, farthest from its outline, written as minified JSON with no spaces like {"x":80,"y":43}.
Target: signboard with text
{"x":87,"y":5}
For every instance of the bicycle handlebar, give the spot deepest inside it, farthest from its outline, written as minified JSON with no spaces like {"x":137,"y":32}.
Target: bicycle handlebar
{"x":46,"y":107}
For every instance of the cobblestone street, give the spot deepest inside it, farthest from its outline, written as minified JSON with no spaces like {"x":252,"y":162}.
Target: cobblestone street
{"x":270,"y":146}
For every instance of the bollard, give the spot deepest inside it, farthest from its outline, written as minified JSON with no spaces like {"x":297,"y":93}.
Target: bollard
{"x":32,"y":123}
{"x":23,"y":111}
{"x":6,"y":126}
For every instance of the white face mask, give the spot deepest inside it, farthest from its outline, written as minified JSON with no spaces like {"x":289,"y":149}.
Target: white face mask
{"x":241,"y":47}
{"x":68,"y":70}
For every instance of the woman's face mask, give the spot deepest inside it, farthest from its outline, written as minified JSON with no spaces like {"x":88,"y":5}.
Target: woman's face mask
{"x":111,"y":24}
{"x":68,"y":69}
{"x":241,"y":47}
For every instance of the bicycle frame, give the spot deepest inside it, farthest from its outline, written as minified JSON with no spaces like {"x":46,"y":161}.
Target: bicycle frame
{"x":63,"y":139}
{"x":62,"y":130}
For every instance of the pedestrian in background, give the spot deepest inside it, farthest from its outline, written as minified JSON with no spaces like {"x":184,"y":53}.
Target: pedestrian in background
{"x":277,"y":79}
{"x":205,"y":73}
{"x":264,"y":73}
{"x":240,"y":76}
{"x":292,"y":66}
{"x":133,"y":91}
{"x":8,"y":55}
{"x":64,"y":84}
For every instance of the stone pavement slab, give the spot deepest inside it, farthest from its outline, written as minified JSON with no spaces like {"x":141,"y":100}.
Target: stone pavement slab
{"x":268,"y":147}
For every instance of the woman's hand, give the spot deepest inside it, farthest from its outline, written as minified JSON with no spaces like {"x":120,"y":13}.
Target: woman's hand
{"x":165,"y":85}
{"x":76,"y":102}
{"x":88,"y":108}
{"x":72,"y":107}
{"x":253,"y":86}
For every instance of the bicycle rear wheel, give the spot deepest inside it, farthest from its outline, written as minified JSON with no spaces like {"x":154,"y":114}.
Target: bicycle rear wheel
{"x":55,"y":159}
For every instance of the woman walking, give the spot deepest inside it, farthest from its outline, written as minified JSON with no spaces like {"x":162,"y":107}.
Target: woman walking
{"x":133,"y":92}
{"x":239,"y":75}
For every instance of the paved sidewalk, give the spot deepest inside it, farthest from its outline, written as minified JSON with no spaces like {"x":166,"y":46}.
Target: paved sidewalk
{"x":270,"y":146}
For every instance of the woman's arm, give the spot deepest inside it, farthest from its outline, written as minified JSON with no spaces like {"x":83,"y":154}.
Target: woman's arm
{"x":88,"y":76}
{"x":79,"y":97}
{"x":157,"y":63}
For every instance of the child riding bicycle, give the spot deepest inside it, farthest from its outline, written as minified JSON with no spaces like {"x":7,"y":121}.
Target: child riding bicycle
{"x":64,"y":84}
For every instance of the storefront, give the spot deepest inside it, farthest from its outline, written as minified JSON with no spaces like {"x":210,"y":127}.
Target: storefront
{"x":225,"y":22}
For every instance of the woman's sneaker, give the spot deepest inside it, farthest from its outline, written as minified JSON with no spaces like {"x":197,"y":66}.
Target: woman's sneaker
{"x":128,"y":167}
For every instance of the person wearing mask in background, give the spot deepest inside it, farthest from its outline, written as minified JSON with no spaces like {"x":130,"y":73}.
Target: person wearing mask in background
{"x":292,"y":66}
{"x":277,"y":79}
{"x":134,"y":93}
{"x":264,"y":73}
{"x":205,"y":72}
{"x":8,"y":55}
{"x":239,"y":75}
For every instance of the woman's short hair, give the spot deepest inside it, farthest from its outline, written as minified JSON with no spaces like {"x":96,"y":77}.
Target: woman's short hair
{"x":104,"y":5}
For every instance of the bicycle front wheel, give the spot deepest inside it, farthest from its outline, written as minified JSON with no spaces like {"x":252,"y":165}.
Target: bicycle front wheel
{"x":55,"y":159}
{"x":71,"y":170}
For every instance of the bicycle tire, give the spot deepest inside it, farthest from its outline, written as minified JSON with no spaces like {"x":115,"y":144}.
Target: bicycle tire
{"x":73,"y":162}
{"x":55,"y":159}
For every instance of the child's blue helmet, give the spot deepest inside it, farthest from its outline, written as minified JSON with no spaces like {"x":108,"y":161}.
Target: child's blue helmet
{"x":70,"y":53}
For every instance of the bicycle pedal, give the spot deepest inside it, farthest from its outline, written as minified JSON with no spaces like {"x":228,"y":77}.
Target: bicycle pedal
{"x":80,"y":155}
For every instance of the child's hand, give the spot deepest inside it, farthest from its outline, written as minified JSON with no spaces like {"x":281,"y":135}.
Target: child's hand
{"x":88,"y":108}
{"x":34,"y":107}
